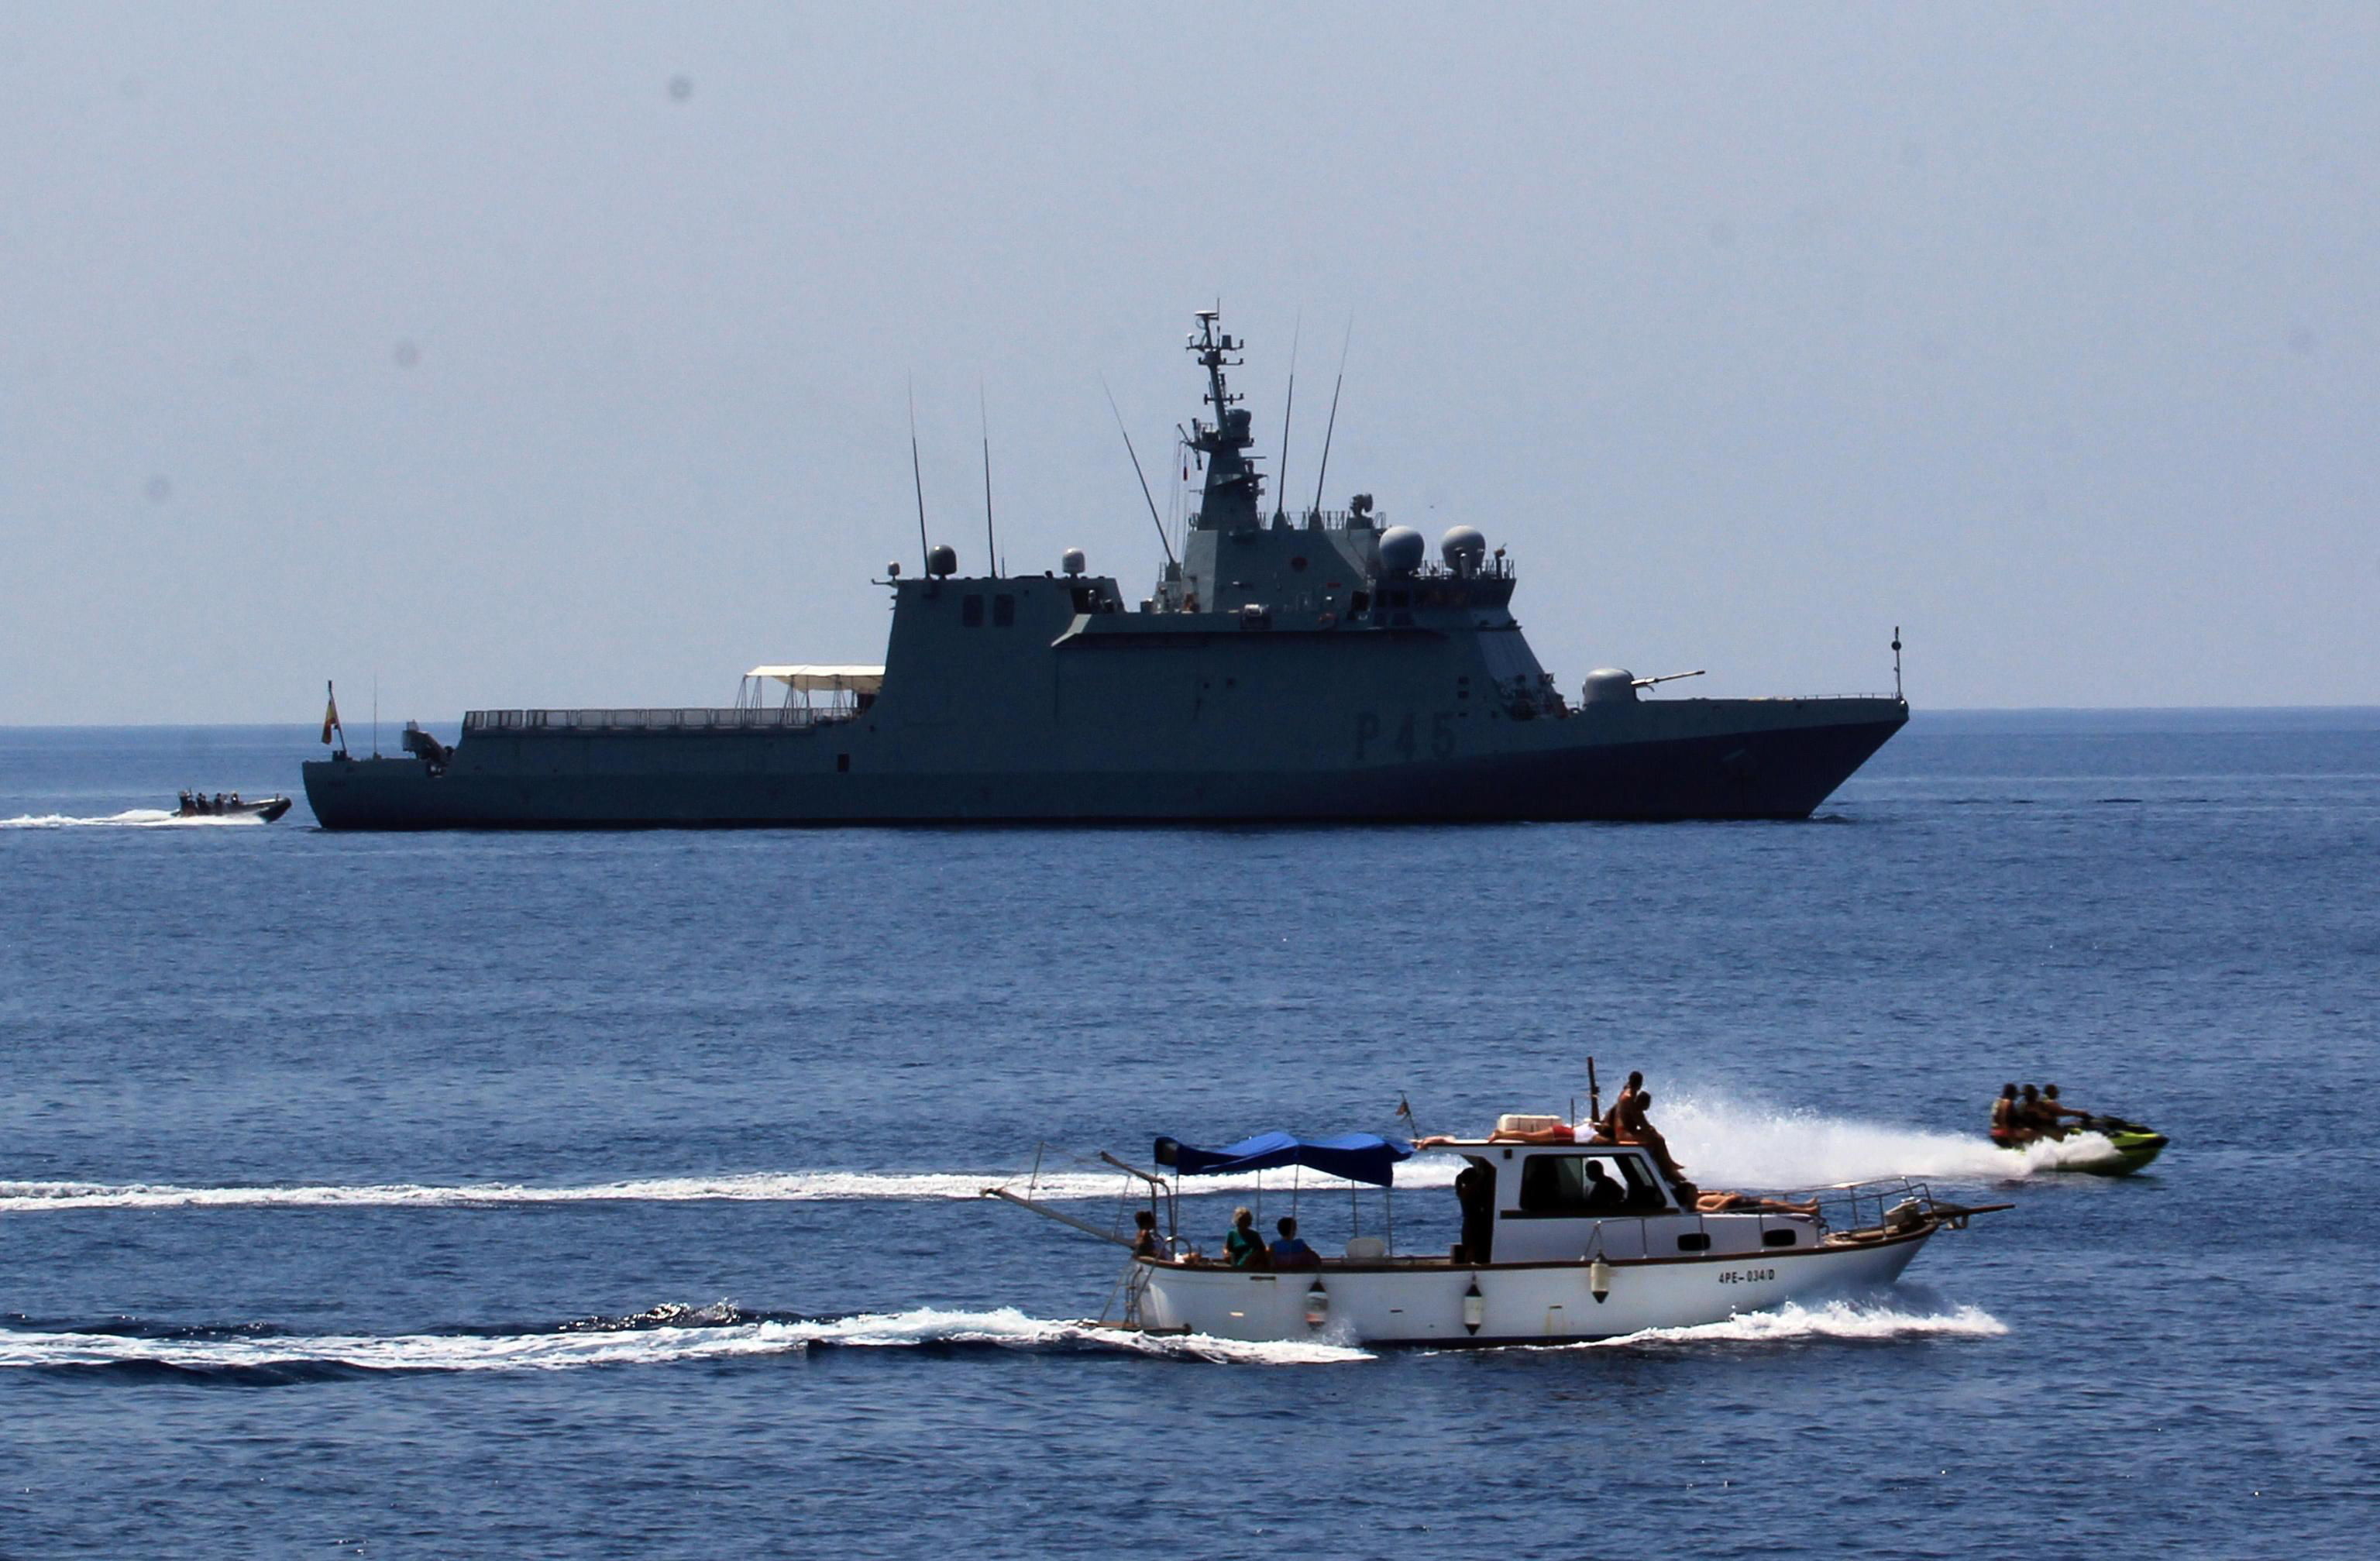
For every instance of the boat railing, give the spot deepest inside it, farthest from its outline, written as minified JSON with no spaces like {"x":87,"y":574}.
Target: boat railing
{"x":1863,"y":1205}
{"x":710,"y":718}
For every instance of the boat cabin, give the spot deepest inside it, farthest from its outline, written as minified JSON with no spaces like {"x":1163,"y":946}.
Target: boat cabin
{"x":1564,"y":1203}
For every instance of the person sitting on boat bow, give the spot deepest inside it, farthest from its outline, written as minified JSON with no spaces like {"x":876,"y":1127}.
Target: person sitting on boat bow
{"x":1241,"y":1245}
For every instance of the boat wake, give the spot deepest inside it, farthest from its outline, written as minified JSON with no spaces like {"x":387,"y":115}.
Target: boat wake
{"x":1833,"y":1320}
{"x":134,"y":818}
{"x":792,"y":1187}
{"x":674,"y":1335}
{"x":754,"y":1187}
{"x":663,"y":1337}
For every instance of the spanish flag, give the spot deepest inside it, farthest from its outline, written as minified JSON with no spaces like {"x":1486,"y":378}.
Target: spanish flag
{"x":331,"y":713}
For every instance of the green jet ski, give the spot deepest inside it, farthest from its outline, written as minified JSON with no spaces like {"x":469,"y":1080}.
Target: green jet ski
{"x":2134,"y":1145}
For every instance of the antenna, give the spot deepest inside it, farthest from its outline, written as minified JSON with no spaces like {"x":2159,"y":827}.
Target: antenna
{"x":1163,"y":540}
{"x":375,"y":712}
{"x":925,"y":551}
{"x":990,"y":549}
{"x":1332,"y":427}
{"x":1281,"y":480}
{"x":1895,"y":666}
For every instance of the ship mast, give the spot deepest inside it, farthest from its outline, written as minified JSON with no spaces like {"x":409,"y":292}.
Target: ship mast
{"x":1234,"y":488}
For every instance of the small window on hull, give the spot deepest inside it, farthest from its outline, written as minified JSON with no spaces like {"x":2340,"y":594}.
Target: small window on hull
{"x":842,"y":764}
{"x":1004,"y":611}
{"x":971,"y":612}
{"x":1693,"y":1243}
{"x":1779,"y":1238}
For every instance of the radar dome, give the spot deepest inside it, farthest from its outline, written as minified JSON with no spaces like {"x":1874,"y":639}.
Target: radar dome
{"x":1609,"y":685}
{"x":1402,"y":549}
{"x":943,"y":559}
{"x":1464,"y":549}
{"x":1071,"y":561}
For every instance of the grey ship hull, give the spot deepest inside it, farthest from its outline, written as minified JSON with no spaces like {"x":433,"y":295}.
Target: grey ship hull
{"x":1716,"y":759}
{"x":1314,"y":668}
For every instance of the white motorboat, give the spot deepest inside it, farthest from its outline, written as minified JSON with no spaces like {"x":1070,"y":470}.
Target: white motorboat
{"x":1564,"y":1241}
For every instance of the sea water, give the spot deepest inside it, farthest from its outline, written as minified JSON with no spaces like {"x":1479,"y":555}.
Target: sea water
{"x":588,"y":1194}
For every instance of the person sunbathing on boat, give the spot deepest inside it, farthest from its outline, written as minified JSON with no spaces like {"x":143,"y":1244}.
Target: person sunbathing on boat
{"x":1742,"y":1203}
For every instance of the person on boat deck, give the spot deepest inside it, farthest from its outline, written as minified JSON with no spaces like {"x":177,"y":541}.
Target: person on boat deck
{"x":1635,"y":1128}
{"x":2037,"y":1116}
{"x":1475,"y":1193}
{"x":1290,"y":1251}
{"x":2056,"y":1109}
{"x":1606,"y":1127}
{"x":1241,"y":1245}
{"x":1739,"y":1203}
{"x":1145,"y":1243}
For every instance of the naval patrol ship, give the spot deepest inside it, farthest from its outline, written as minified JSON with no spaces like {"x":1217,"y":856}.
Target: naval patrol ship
{"x":1313,"y":667}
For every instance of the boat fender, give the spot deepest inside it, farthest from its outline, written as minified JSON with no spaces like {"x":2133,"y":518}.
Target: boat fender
{"x":1317,"y":1305}
{"x":1475,"y":1308}
{"x":1598,"y":1280}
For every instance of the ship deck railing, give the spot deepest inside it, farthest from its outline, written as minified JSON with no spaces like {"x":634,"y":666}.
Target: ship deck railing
{"x":711,"y":719}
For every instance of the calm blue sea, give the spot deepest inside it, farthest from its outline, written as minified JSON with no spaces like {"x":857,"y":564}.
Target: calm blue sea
{"x":583,"y":1195}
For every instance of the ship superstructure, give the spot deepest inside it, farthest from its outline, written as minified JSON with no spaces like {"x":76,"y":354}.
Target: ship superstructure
{"x":1310,"y":667}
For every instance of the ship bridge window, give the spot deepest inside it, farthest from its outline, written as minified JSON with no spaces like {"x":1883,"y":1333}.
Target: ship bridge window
{"x":1086,"y":599}
{"x":1004,"y":611}
{"x":971,"y":612}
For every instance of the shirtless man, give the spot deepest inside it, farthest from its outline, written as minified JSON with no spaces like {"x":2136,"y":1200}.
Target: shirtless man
{"x":1606,"y":1127}
{"x":2031,"y":1114}
{"x":1634,"y":1129}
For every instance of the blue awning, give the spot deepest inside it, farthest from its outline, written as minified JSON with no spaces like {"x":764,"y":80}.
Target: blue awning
{"x":1357,"y":1157}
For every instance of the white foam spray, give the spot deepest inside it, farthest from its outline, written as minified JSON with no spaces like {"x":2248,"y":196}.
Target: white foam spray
{"x":566,"y":1349}
{"x":820,"y":1186}
{"x":1723,"y":1142}
{"x":1827,"y":1319}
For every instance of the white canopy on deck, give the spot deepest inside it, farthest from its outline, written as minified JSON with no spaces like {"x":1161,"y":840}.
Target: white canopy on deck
{"x":813,"y":678}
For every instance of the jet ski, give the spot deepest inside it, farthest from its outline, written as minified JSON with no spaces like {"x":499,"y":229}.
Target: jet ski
{"x":195,"y":806}
{"x":2133,"y":1145}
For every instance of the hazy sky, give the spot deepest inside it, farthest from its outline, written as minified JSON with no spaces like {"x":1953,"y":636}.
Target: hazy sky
{"x":557,"y":354}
